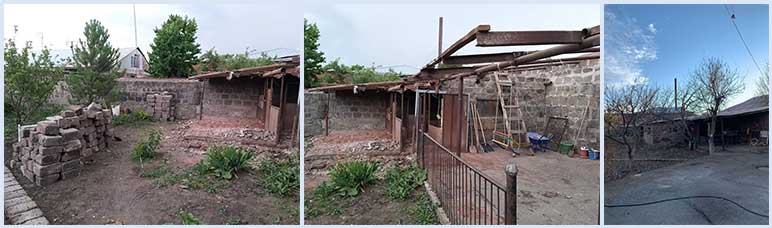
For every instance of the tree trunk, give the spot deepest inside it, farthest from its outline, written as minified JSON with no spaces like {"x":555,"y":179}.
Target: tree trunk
{"x":711,"y":134}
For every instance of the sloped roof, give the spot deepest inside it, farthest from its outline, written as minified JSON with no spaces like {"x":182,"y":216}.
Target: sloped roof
{"x":286,"y":67}
{"x":750,"y":106}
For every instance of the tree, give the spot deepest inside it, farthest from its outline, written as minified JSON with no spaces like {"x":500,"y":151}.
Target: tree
{"x":96,"y":66}
{"x":312,"y":57}
{"x":683,"y":103}
{"x":626,"y":108}
{"x":174,"y":48}
{"x":714,"y":83}
{"x":762,"y":84}
{"x":211,"y":61}
{"x":28,"y":82}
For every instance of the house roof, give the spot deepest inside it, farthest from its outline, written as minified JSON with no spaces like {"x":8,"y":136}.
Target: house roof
{"x":750,"y":106}
{"x":124,"y":52}
{"x":287,"y":67}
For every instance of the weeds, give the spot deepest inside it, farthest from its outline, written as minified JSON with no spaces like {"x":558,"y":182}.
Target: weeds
{"x":225,"y":161}
{"x":187,"y":218}
{"x":351,"y":178}
{"x":401,"y":182}
{"x":146,"y":148}
{"x":137,"y":117}
{"x":282,"y":178}
{"x":424,"y":212}
{"x":158,"y":171}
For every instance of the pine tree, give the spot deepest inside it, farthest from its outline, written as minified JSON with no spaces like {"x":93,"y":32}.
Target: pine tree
{"x":312,"y":57}
{"x":96,"y":65}
{"x":174,"y":48}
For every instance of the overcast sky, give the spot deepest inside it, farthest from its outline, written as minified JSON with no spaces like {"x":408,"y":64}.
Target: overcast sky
{"x":231,"y":28}
{"x":405,"y":35}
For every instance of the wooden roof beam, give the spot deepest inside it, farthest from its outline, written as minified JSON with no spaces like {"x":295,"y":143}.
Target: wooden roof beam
{"x":466,"y":39}
{"x":497,"y":39}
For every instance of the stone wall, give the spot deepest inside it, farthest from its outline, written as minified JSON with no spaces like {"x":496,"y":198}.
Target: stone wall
{"x":314,"y":108}
{"x":551,"y":91}
{"x":232,"y":98}
{"x":52,"y":150}
{"x":187,"y":94}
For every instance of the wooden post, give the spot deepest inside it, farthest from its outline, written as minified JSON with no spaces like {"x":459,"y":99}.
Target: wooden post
{"x":439,"y":42}
{"x":510,"y":216}
{"x":282,"y":98}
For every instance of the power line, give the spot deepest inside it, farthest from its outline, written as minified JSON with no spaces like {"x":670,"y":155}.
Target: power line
{"x":732,"y":17}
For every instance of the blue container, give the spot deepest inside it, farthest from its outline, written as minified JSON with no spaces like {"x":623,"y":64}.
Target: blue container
{"x":594,"y":155}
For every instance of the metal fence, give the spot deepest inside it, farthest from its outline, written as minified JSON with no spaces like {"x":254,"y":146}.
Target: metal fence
{"x":467,"y":195}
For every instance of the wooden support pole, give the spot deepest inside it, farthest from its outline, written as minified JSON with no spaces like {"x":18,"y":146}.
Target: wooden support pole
{"x":282,"y":100}
{"x":510,"y":205}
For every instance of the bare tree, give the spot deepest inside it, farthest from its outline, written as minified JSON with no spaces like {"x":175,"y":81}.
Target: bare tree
{"x":626,"y":109}
{"x":714,"y":83}
{"x":762,"y":84}
{"x":683,"y":102}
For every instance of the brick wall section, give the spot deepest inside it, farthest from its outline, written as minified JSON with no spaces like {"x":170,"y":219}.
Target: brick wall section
{"x":52,"y":149}
{"x":187,"y":94}
{"x":314,"y":107}
{"x":235,"y":98}
{"x":20,"y":209}
{"x":160,"y":106}
{"x":560,"y":91}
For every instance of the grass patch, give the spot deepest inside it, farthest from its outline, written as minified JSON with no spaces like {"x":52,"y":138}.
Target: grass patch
{"x":186,"y":218}
{"x":401,"y":182}
{"x":424,"y":212}
{"x":146,"y":148}
{"x":163,"y":176}
{"x":132,"y":118}
{"x":281,"y":178}
{"x":351,"y":178}
{"x":225,"y":161}
{"x":323,"y":200}
{"x":156,"y":172}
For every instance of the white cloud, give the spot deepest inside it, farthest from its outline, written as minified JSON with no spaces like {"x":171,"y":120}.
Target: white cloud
{"x":627,"y":46}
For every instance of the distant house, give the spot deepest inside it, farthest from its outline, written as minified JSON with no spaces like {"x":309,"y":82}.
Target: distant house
{"x":133,"y":60}
{"x":741,"y":123}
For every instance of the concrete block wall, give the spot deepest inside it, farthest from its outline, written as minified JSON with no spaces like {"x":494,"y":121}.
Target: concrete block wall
{"x":314,"y":109}
{"x":160,"y":106}
{"x":361,"y":111}
{"x":53,"y":149}
{"x":232,"y":98}
{"x":187,"y":94}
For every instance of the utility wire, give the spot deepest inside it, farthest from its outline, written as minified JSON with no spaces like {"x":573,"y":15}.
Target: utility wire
{"x":688,"y":197}
{"x":732,"y":17}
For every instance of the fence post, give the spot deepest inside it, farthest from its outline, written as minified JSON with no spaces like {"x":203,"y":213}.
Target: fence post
{"x":510,"y":218}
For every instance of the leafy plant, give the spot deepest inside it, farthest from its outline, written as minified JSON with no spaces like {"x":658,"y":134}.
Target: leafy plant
{"x":312,"y":57}
{"x":424,"y":212}
{"x":282,"y":178}
{"x":187,"y":218}
{"x":146,"y":148}
{"x":131,"y":118}
{"x":225,"y":161}
{"x":96,"y":62}
{"x":211,"y":61}
{"x":174,"y":48}
{"x":401,"y":182}
{"x":351,"y":178}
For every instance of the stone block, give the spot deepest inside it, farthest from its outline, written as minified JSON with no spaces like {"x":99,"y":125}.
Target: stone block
{"x":69,"y":134}
{"x":48,"y":150}
{"x":46,"y":170}
{"x":47,"y":180}
{"x":48,"y":127}
{"x":71,"y":165}
{"x":46,"y":159}
{"x":71,"y":155}
{"x":72,"y":145}
{"x":50,"y":140}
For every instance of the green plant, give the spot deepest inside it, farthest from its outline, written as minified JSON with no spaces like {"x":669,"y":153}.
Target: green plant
{"x":96,"y":62}
{"x":424,"y":212}
{"x":174,"y":48}
{"x":156,"y":172}
{"x":146,"y":148}
{"x":282,"y":178}
{"x":351,"y":178}
{"x":135,"y":117}
{"x":225,"y":161}
{"x":312,"y":57}
{"x":187,"y":218}
{"x":401,"y":182}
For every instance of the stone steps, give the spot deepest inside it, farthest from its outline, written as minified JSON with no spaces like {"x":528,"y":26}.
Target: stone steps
{"x":20,"y":209}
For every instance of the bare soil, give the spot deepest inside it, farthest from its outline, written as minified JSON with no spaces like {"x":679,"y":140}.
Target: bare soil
{"x":371,"y":207}
{"x":323,"y":152}
{"x":111,"y":191}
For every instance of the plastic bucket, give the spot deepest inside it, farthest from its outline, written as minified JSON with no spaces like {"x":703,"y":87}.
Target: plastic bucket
{"x":583,"y":153}
{"x":565,"y":147}
{"x":594,"y":155}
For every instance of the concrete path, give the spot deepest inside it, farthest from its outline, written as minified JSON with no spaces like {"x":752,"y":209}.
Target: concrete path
{"x":739,"y":176}
{"x":19,"y":207}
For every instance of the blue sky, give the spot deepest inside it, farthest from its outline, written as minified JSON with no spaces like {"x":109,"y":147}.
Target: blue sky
{"x":656,"y":43}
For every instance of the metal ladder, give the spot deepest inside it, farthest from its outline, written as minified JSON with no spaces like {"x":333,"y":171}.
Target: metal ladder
{"x":516,"y":131}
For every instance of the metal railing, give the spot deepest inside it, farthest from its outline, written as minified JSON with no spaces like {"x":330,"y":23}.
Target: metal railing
{"x":467,"y":195}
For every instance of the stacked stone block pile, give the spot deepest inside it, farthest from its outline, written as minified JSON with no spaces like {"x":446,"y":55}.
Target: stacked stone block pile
{"x":160,"y":106}
{"x":54,"y":149}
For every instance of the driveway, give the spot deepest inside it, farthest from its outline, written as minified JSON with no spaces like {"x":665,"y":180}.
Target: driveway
{"x":739,"y":175}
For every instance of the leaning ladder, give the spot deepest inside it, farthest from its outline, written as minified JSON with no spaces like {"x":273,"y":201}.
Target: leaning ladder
{"x":517,"y":130}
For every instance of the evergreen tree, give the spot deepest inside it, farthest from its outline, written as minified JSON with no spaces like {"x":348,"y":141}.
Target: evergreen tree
{"x":96,"y":65}
{"x":312,"y":57}
{"x":174,"y":48}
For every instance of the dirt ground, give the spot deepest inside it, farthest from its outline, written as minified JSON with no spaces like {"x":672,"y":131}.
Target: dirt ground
{"x":322,"y":152}
{"x":111,"y":191}
{"x":552,"y":188}
{"x":371,"y":207}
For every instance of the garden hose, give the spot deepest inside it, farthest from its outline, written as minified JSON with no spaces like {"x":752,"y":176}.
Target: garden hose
{"x":688,"y":197}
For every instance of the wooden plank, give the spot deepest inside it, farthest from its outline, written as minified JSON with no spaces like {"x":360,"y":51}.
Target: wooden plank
{"x":466,"y":39}
{"x":496,"y":39}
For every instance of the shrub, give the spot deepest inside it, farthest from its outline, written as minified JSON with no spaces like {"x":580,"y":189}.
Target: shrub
{"x":146,"y":148}
{"x":400,"y":182}
{"x":225,"y":161}
{"x":282,"y":178}
{"x":131,"y":118}
{"x":351,"y":178}
{"x":424,"y":212}
{"x":187,"y":218}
